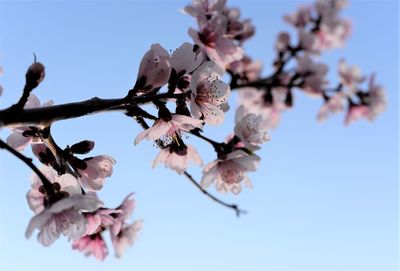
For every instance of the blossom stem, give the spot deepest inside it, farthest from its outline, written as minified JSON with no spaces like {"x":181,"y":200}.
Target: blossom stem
{"x":235,"y":207}
{"x":28,"y":161}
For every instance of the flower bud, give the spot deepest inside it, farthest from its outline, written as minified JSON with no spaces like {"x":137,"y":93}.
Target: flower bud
{"x":82,"y":147}
{"x":35,"y":74}
{"x":155,"y":67}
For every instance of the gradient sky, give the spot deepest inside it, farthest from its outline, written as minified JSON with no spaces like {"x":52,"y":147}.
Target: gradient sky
{"x":325,"y":196}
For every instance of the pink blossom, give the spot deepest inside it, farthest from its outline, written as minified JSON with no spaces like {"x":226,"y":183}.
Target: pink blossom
{"x":101,"y":219}
{"x":253,"y":101}
{"x":155,"y":68}
{"x":308,"y":41}
{"x":334,"y":104}
{"x":97,"y":169}
{"x":186,"y":59}
{"x":123,"y":212}
{"x":373,"y":102}
{"x":126,"y":237}
{"x":229,"y":172}
{"x":314,"y":75}
{"x":356,"y":112}
{"x":333,"y":37}
{"x":169,"y":129}
{"x":92,"y":245}
{"x":211,"y":38}
{"x":177,"y":157}
{"x":376,"y":98}
{"x":200,"y":8}
{"x":350,"y":76}
{"x":246,"y":69}
{"x":250,"y":129}
{"x":299,"y":18}
{"x":63,"y":217}
{"x":282,"y":42}
{"x":65,"y":183}
{"x":209,"y":92}
{"x":18,"y":139}
{"x":236,"y":28}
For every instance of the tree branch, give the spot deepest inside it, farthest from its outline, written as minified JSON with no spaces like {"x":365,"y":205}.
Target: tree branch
{"x":28,"y":161}
{"x":47,"y":115}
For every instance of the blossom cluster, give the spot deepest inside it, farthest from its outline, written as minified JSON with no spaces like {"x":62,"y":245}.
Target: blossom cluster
{"x":187,"y":91}
{"x":297,"y":66}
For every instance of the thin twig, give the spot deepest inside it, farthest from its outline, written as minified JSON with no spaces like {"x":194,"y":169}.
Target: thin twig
{"x":238,"y":211}
{"x":232,"y":206}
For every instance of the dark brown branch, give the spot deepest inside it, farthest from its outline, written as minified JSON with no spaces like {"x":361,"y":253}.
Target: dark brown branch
{"x":28,"y":161}
{"x":47,"y":115}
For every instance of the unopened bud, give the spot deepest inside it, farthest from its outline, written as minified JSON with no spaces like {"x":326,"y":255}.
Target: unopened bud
{"x":35,"y":74}
{"x":82,"y":147}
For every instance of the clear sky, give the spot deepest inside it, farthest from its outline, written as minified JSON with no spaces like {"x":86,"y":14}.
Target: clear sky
{"x":325,"y":196}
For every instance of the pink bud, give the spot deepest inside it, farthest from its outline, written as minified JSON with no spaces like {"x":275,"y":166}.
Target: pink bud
{"x":155,"y":68}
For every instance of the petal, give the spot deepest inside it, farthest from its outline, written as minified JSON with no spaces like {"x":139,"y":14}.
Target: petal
{"x":17,"y":141}
{"x":161,"y":157}
{"x":194,"y":155}
{"x":209,"y":177}
{"x":69,"y":184}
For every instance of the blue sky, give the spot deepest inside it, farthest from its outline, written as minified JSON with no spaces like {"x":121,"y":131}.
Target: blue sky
{"x":325,"y":196}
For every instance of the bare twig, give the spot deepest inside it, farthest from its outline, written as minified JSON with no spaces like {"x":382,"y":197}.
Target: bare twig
{"x":236,"y":208}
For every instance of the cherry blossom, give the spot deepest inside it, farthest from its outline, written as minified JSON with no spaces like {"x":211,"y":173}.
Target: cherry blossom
{"x":65,"y":185}
{"x":236,"y":28}
{"x":373,"y":102}
{"x":200,"y":8}
{"x":101,"y":219}
{"x":97,"y":169}
{"x":333,"y":37}
{"x":177,"y":157}
{"x":23,"y":135}
{"x":121,"y":214}
{"x":209,"y":92}
{"x":300,"y":18}
{"x":350,"y":76}
{"x":92,"y":245}
{"x":186,"y":58}
{"x":254,"y":102}
{"x":250,"y":129}
{"x":169,"y":129}
{"x":246,"y":69}
{"x":113,"y":220}
{"x":376,"y":98}
{"x":126,"y":237}
{"x":211,"y":38}
{"x":319,"y":27}
{"x":63,"y":217}
{"x":282,"y":42}
{"x":356,"y":112}
{"x":229,"y":172}
{"x":314,"y":75}
{"x":334,"y":104}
